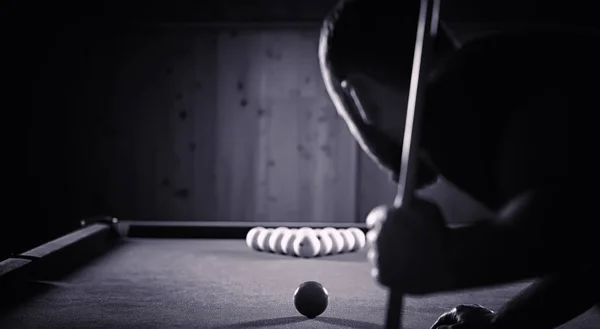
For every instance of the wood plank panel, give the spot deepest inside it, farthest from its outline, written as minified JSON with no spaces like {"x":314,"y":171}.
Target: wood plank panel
{"x":135,"y":122}
{"x":165,"y":106}
{"x":204,"y":116}
{"x":279,"y":62}
{"x":237,"y":127}
{"x":301,"y":165}
{"x":183,"y":180}
{"x":172,"y":156}
{"x":229,"y":126}
{"x":91,"y":126}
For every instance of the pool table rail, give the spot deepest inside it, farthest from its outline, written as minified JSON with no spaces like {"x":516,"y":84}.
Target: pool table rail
{"x":55,"y":258}
{"x":98,"y":234}
{"x":212,"y":230}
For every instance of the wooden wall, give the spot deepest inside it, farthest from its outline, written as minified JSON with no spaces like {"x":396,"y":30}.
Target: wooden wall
{"x":231,"y":125}
{"x":219,"y":125}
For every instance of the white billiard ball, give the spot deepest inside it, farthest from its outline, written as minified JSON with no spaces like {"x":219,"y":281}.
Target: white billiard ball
{"x":306,"y":244}
{"x":349,"y":240}
{"x":326,"y":242}
{"x":306,"y":230}
{"x":252,"y":237}
{"x":336,"y":238}
{"x":287,"y":241}
{"x":359,"y":235}
{"x":275,"y":239}
{"x":263,"y":239}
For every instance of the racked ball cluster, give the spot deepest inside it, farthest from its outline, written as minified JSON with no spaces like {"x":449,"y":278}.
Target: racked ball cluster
{"x":306,"y":242}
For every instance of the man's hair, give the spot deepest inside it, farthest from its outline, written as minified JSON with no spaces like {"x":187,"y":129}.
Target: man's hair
{"x":372,"y":37}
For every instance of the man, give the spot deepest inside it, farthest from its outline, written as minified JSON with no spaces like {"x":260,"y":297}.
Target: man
{"x":496,"y":125}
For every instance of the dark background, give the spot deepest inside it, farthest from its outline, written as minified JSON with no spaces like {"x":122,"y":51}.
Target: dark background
{"x":90,"y":129}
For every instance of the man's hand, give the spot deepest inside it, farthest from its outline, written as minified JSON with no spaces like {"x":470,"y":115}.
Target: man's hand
{"x":408,"y":247}
{"x":465,"y":317}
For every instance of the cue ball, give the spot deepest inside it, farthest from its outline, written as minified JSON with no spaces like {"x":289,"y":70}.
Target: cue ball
{"x":311,"y":299}
{"x":252,"y":237}
{"x":336,"y":238}
{"x":275,"y":239}
{"x":263,"y":239}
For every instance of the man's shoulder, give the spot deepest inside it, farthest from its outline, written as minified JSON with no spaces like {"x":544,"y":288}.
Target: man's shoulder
{"x":541,"y":203}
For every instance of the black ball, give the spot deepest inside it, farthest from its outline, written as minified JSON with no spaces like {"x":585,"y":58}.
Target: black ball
{"x":311,"y":299}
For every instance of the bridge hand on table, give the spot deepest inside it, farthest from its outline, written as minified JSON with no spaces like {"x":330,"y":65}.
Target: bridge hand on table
{"x":465,"y":317}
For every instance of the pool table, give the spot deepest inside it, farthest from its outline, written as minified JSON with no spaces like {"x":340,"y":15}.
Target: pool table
{"x":119,"y":274}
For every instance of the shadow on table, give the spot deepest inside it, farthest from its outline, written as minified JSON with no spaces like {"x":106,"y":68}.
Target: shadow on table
{"x":349,"y":323}
{"x":295,"y":319}
{"x":12,"y":297}
{"x":44,"y":275}
{"x":352,"y":257}
{"x":264,"y":323}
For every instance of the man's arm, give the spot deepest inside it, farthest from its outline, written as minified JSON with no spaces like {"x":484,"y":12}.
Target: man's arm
{"x":534,"y":235}
{"x":541,"y":235}
{"x":551,"y":301}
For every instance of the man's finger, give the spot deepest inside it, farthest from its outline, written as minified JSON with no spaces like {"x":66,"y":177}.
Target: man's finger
{"x":372,"y":257}
{"x":375,"y":274}
{"x":371,"y":238}
{"x":376,"y":217}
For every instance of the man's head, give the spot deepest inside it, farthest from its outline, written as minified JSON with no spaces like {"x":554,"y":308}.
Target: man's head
{"x":366,"y":52}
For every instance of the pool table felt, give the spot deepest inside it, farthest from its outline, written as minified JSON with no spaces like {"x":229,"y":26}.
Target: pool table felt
{"x":185,"y":283}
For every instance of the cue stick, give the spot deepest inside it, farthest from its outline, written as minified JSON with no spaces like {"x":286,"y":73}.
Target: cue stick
{"x":426,"y":32}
